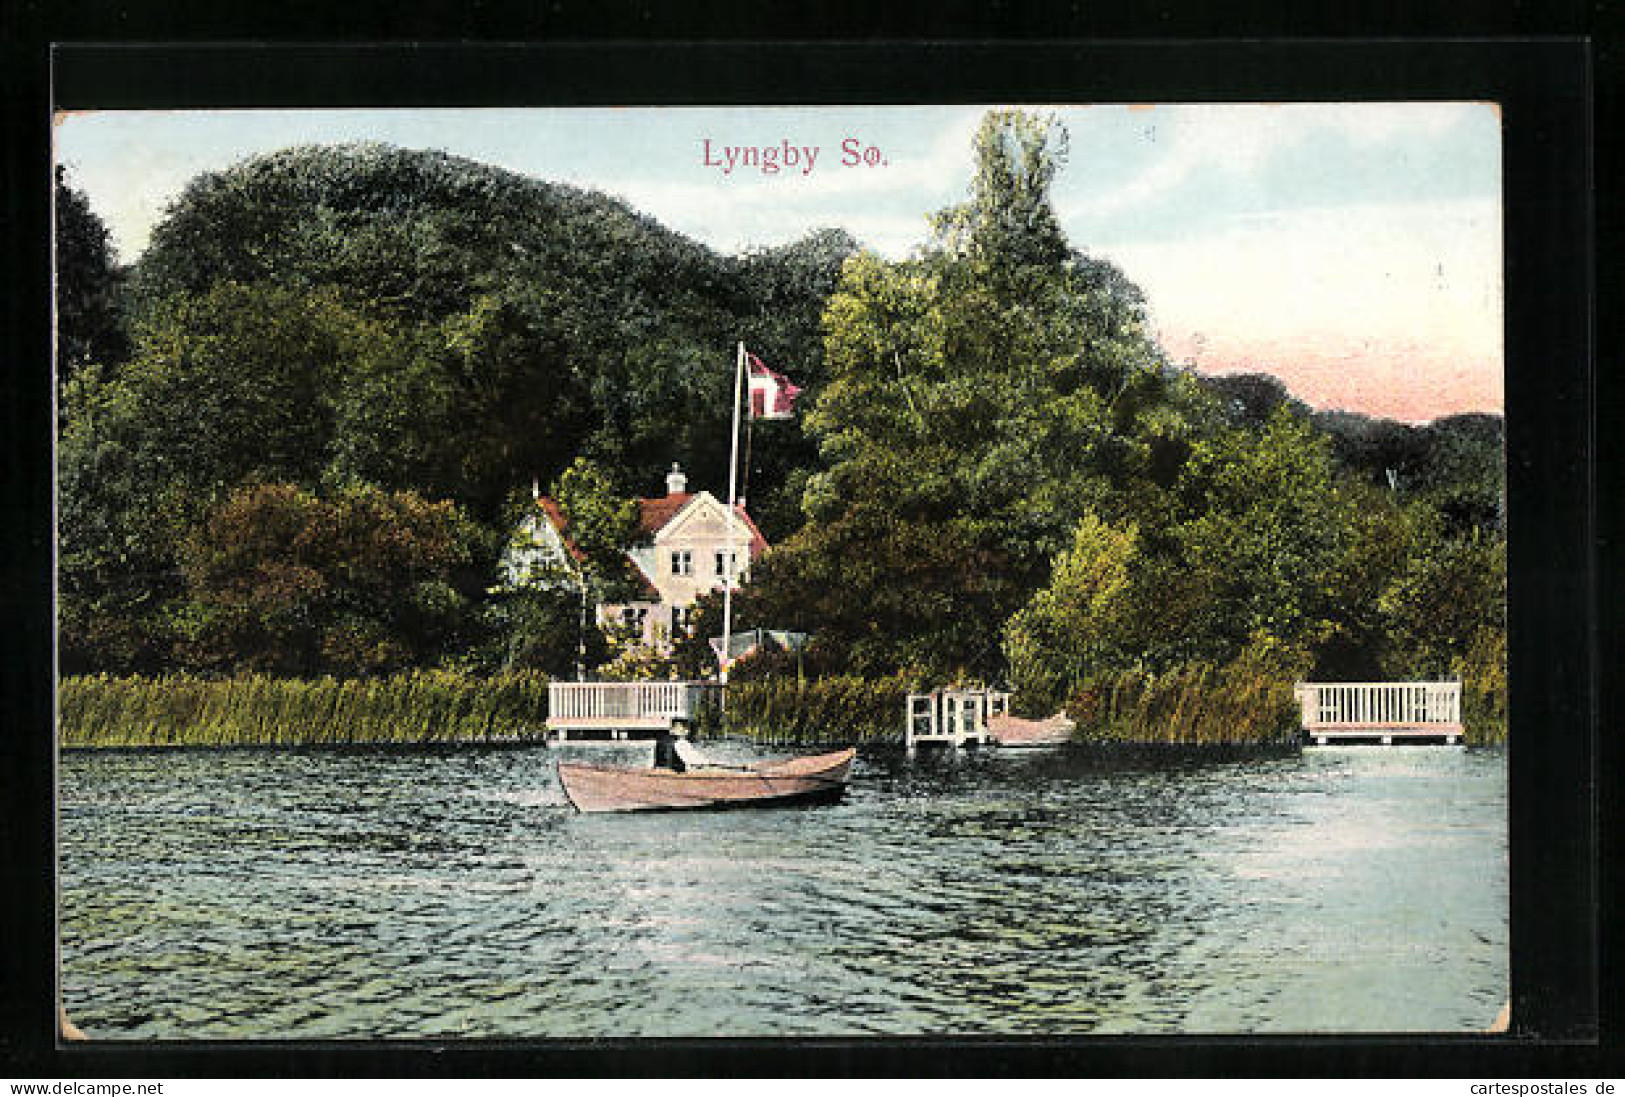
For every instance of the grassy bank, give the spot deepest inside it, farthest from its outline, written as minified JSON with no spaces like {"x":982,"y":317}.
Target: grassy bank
{"x":182,"y":710}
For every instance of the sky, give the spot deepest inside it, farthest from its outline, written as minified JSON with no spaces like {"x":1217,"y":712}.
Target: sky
{"x":1353,"y":250}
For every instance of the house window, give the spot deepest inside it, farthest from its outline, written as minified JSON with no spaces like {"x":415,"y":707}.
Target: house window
{"x":679,"y":619}
{"x":633,"y":617}
{"x":725,"y":560}
{"x":682,"y":562}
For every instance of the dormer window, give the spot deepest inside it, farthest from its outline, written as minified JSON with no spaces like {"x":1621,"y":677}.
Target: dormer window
{"x":682,"y":562}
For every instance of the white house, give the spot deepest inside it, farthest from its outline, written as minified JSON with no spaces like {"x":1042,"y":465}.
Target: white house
{"x":685,"y":548}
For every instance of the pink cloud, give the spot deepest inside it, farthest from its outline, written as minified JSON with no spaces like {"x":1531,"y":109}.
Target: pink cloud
{"x":1387,"y":378}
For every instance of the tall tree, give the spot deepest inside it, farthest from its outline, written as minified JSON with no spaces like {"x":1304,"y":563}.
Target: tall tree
{"x":1258,"y":526}
{"x":1449,"y":598}
{"x":979,"y":401}
{"x":89,"y":285}
{"x":1009,"y":221}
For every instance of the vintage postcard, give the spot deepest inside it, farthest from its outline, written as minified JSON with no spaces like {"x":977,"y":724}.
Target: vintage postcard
{"x":1070,"y":539}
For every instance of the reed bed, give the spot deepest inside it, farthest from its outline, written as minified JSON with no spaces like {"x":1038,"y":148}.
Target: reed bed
{"x":1483,"y":714}
{"x":1196,"y":705}
{"x":839,"y":710}
{"x":1484,"y":690}
{"x":183,"y":710}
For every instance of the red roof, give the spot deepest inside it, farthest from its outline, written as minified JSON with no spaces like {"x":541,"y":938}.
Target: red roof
{"x":653,"y":516}
{"x":555,"y":514}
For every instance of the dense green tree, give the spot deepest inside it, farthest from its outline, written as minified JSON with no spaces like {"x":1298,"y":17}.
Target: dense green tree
{"x":326,"y":339}
{"x":1009,"y":222}
{"x":351,"y":315}
{"x":543,"y":321}
{"x":1449,"y":596}
{"x":89,"y":286}
{"x":1258,"y":531}
{"x":1078,"y":624}
{"x":979,"y":401}
{"x":116,"y":573}
{"x":242,"y":384}
{"x":602,"y":523}
{"x":1454,"y":464}
{"x":540,"y":628}
{"x":553,"y":321}
{"x":1382,"y":452}
{"x":1465,"y":474}
{"x":1249,"y":399}
{"x":1375,"y":543}
{"x":284,"y":581}
{"x":237,"y":386}
{"x":460,"y":410}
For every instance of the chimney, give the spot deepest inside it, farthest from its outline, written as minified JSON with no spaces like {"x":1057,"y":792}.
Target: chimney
{"x":676,"y":482}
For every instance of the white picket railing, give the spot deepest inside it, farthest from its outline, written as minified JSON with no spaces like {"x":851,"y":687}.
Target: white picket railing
{"x":1379,"y":704}
{"x":625,"y":704}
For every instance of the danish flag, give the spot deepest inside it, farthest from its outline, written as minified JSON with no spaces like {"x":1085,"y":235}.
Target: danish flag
{"x":771,"y":394}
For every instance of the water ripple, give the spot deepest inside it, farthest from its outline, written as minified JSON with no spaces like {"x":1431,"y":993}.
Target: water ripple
{"x":311,"y":894}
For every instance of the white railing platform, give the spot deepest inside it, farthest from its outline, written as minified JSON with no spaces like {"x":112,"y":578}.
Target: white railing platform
{"x":1335,"y":712}
{"x":623,"y":710}
{"x":952,"y":717}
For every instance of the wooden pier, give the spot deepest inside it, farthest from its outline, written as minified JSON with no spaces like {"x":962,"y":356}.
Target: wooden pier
{"x":1380,"y":712}
{"x":615,"y":711}
{"x":952,"y":717}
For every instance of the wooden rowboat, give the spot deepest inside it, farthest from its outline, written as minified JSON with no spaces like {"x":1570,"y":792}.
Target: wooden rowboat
{"x":1012,"y":731}
{"x":820,"y":778}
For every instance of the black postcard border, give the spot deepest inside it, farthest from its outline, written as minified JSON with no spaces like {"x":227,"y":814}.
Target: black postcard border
{"x":1544,"y":87}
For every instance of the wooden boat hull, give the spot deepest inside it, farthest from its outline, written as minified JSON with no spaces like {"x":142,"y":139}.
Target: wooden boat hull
{"x":816,"y":779}
{"x":1012,"y":731}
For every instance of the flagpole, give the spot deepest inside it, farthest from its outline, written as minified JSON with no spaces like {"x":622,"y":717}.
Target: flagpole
{"x":730,"y":567}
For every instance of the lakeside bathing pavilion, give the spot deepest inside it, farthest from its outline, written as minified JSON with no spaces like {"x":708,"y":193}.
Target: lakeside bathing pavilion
{"x":1330,"y":712}
{"x":614,"y":711}
{"x":1385,"y":712}
{"x":952,"y":717}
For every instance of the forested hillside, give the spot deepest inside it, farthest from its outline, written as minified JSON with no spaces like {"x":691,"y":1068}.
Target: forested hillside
{"x":1015,"y":485}
{"x":368,"y":318}
{"x":333,"y":372}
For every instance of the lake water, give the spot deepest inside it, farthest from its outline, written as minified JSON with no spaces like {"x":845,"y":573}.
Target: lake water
{"x":264,"y":894}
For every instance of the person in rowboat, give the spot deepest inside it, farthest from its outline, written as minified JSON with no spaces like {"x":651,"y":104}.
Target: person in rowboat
{"x":667,"y":755}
